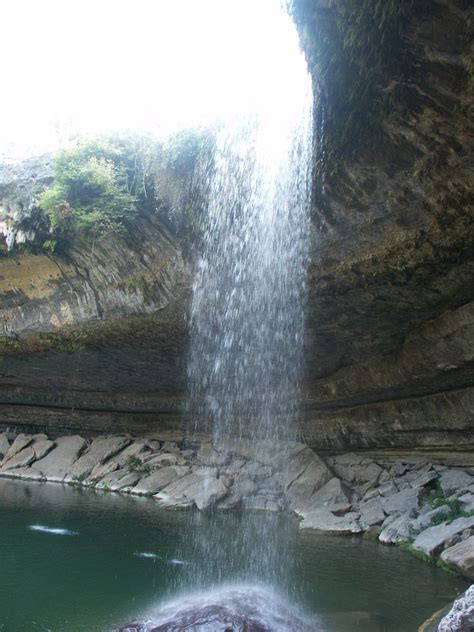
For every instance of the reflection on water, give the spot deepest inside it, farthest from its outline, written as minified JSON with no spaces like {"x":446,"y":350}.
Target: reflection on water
{"x":94,"y":581}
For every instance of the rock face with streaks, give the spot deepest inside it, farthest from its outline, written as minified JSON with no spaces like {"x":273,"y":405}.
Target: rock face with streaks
{"x":94,"y":340}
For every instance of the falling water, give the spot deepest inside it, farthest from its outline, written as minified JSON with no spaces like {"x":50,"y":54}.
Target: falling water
{"x":247,"y":324}
{"x":249,"y":292}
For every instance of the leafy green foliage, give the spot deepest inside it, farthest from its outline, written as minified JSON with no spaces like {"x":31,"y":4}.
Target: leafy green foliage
{"x":89,"y":193}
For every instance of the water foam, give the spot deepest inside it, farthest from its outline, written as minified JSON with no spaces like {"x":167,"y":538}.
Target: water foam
{"x":52,"y":530}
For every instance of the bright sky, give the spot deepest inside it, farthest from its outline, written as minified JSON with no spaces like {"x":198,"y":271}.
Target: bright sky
{"x":88,"y":66}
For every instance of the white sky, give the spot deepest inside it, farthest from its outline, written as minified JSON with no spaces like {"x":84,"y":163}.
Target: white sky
{"x":88,"y":66}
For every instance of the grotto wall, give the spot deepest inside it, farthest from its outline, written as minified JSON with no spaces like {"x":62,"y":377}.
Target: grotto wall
{"x":95,"y":340}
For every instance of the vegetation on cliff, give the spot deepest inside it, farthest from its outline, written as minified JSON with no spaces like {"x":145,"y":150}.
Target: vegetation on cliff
{"x":101,"y":185}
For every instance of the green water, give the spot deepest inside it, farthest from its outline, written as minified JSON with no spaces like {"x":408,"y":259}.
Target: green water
{"x":95,"y":576}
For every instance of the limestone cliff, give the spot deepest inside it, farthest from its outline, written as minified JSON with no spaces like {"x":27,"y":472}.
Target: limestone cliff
{"x":96,"y":339}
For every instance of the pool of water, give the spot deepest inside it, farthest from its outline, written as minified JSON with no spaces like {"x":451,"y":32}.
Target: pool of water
{"x":76,"y":560}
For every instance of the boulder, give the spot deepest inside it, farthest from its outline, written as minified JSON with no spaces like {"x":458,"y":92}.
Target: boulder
{"x":162,"y":460}
{"x":422,"y":477}
{"x":243,"y":487}
{"x":397,"y":530}
{"x":213,"y":490}
{"x":461,"y":616}
{"x":158,"y":480}
{"x":367,"y":473}
{"x":98,"y":451}
{"x":433,"y":539}
{"x":453,"y":480}
{"x":231,"y":501}
{"x":303,"y":476}
{"x":255,"y":471}
{"x":4,"y":444}
{"x":467,"y":502}
{"x":460,"y":557}
{"x":138,"y":449}
{"x":101,"y":470}
{"x":21,"y":442}
{"x":402,"y":502}
{"x":170,"y":446}
{"x":250,"y":609}
{"x":42,"y":448}
{"x":425,"y":519}
{"x":324,"y":520}
{"x":59,"y":462}
{"x":25,"y":473}
{"x":197,"y":488}
{"x":371,"y":512}
{"x":332,"y":493}
{"x":21,"y":459}
{"x":208,"y":456}
{"x":387,"y":489}
{"x":126,"y":481}
{"x":344,"y":472}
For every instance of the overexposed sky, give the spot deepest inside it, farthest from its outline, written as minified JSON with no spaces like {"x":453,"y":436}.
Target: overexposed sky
{"x":89,"y":66}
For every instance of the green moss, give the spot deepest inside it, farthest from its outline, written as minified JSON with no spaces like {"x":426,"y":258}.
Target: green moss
{"x":68,"y":342}
{"x":9,"y":343}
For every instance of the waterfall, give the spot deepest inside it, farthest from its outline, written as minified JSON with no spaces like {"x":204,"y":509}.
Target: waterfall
{"x":247,"y":321}
{"x":249,"y":293}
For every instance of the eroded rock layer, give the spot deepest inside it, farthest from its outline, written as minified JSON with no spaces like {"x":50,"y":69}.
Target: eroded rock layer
{"x":95,"y":340}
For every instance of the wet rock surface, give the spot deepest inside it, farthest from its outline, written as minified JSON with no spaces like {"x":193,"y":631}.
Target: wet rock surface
{"x":234,"y":610}
{"x":424,"y":505}
{"x":390,"y":320}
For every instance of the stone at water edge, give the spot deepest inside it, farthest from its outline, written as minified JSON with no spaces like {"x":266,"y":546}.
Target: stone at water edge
{"x":460,"y":557}
{"x":21,"y":441}
{"x":433,"y":539}
{"x":302,"y":476}
{"x":42,"y":448}
{"x":200,"y":488}
{"x":156,"y":481}
{"x":461,"y":616}
{"x":397,"y":530}
{"x":26,"y":473}
{"x":332,"y":493}
{"x":21,"y":459}
{"x":58,"y":463}
{"x":4,"y":445}
{"x":213,"y":491}
{"x":98,"y":451}
{"x":119,"y":480}
{"x":324,"y":520}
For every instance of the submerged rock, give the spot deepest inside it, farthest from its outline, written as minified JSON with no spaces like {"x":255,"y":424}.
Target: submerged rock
{"x":228,"y":610}
{"x":461,"y":616}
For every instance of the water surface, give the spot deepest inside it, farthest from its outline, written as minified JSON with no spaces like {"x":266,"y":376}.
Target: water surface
{"x":111,"y":558}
